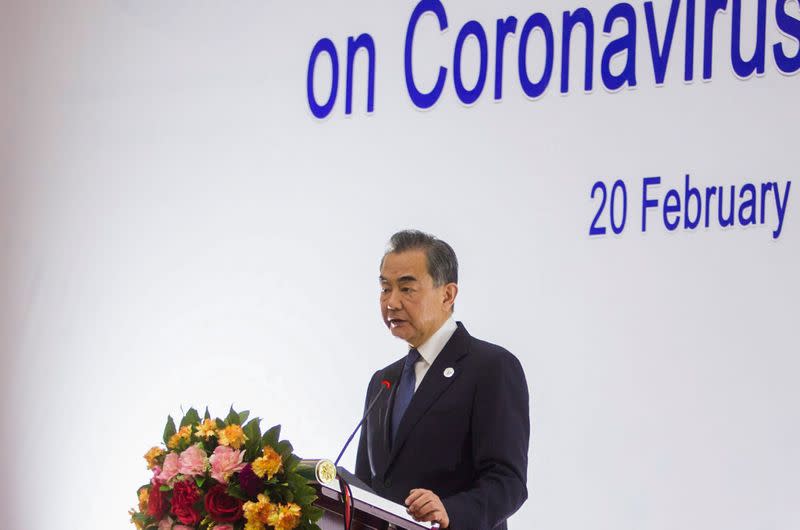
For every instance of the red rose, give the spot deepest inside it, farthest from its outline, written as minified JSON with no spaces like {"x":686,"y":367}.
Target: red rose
{"x":222,"y":507}
{"x":184,"y":495}
{"x":187,"y":516}
{"x":155,"y":503}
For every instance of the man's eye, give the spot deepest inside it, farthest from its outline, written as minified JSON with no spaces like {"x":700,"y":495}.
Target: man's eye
{"x":406,"y":289}
{"x":384,"y":290}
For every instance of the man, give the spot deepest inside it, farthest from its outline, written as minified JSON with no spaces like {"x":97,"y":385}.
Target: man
{"x":450,"y":440}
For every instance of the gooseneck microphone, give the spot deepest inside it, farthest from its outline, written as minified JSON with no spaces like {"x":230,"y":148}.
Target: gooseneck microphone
{"x":385,"y":385}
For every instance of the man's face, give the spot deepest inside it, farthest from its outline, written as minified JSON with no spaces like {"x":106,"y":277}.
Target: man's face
{"x":411,"y":306}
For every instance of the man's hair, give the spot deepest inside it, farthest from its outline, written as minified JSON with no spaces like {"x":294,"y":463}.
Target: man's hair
{"x":442,"y":262}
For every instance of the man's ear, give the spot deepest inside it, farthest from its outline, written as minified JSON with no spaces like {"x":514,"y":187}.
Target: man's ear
{"x":450,"y":293}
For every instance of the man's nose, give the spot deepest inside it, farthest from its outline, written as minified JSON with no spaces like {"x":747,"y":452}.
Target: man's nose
{"x":393,"y":302}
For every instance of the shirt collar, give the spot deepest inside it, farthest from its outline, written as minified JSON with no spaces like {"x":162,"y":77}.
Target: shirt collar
{"x":436,"y":343}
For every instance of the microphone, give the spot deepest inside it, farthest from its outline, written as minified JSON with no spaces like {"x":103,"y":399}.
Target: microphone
{"x":385,"y":385}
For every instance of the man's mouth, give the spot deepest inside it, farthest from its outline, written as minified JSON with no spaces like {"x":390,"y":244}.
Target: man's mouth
{"x":394,"y":322}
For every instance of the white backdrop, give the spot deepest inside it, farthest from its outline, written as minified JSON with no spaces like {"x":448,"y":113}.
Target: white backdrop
{"x":178,"y":230}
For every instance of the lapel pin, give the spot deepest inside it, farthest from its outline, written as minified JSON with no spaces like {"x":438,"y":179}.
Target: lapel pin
{"x":448,"y":372}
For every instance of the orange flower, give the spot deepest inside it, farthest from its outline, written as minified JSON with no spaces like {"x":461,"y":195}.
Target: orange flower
{"x":258,"y":513}
{"x":152,"y":456}
{"x":285,"y":517}
{"x":207,"y":429}
{"x":232,"y":436}
{"x":183,"y":434}
{"x":269,"y":464}
{"x":144,"y":497}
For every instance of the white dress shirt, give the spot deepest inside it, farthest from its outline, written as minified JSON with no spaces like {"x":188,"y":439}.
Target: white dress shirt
{"x":431,"y":348}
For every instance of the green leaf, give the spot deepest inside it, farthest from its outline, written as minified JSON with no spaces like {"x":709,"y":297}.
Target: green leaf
{"x":232,"y":418}
{"x":253,"y":432}
{"x":308,"y":494}
{"x":243,"y":416}
{"x":142,"y":518}
{"x":303,"y":493}
{"x":234,"y":490}
{"x":169,"y":429}
{"x":304,"y":499}
{"x":284,"y":448}
{"x":191,"y":417}
{"x":206,"y":416}
{"x":272,"y":436}
{"x":291,"y":463}
{"x":254,"y":424}
{"x":282,"y":492}
{"x":165,"y":488}
{"x":200,"y":481}
{"x":314,"y":514}
{"x":296,"y":481}
{"x":220,"y":423}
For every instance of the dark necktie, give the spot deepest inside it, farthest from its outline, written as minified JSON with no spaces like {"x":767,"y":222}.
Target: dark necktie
{"x":405,"y":390}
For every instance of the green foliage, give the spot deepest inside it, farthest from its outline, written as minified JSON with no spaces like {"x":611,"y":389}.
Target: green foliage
{"x":291,"y":463}
{"x":296,"y":481}
{"x":305,"y":496}
{"x":271,"y":437}
{"x":232,"y":418}
{"x":169,"y":429}
{"x":310,"y":518}
{"x":253,"y":432}
{"x":191,"y":418}
{"x":314,"y":513}
{"x":142,"y":518}
{"x":236,"y":491}
{"x":303,"y":493}
{"x":284,"y":448}
{"x":282,"y":493}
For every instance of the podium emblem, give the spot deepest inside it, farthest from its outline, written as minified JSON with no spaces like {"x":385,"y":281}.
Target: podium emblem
{"x":326,"y":471}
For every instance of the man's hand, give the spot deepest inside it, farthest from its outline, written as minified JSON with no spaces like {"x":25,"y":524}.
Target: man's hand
{"x":425,"y":505}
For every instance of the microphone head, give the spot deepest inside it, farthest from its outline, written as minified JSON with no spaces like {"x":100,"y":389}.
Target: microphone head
{"x":386,"y":383}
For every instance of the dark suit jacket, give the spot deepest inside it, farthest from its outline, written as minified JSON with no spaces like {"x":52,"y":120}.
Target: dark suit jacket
{"x":464,"y":437}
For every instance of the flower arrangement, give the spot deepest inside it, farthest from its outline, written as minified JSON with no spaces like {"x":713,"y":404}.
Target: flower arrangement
{"x":214,"y":474}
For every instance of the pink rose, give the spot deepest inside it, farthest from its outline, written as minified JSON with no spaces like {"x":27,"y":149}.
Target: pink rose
{"x":170,"y":468}
{"x":223,"y":527}
{"x":165,"y":523}
{"x":182,"y":527}
{"x":225,"y":462}
{"x":192,"y":462}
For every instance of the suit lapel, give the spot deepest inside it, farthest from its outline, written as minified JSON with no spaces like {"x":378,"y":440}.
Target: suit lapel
{"x":432,"y":386}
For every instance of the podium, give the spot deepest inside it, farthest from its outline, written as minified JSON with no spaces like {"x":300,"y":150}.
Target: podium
{"x":370,"y":512}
